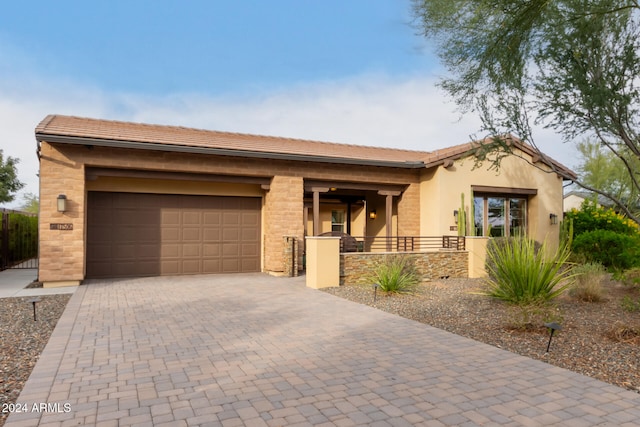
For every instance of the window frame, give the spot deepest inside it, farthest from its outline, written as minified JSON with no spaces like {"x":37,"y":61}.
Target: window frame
{"x":506,"y":213}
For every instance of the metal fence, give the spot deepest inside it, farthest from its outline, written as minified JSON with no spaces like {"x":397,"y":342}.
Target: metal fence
{"x":18,"y":240}
{"x":400,"y":243}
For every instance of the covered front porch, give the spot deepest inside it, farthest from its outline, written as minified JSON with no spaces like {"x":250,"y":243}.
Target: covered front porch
{"x":348,"y":209}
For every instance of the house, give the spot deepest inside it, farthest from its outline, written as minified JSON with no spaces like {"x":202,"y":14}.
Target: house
{"x":127,"y":199}
{"x":574,"y":200}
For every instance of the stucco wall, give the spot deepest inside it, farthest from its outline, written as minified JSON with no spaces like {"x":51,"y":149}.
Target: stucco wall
{"x":440,"y":195}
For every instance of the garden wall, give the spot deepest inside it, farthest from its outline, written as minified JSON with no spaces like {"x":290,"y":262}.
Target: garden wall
{"x":355,"y":268}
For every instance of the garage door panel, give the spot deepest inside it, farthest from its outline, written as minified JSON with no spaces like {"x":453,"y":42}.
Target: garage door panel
{"x":211,"y":235}
{"x":211,"y":265}
{"x":170,"y":234}
{"x":191,"y":266}
{"x":191,"y":234}
{"x":250,"y":264}
{"x":212,"y":218}
{"x":211,"y":250}
{"x":191,"y":218}
{"x":191,"y":250}
{"x":147,"y":234}
{"x":170,"y":217}
{"x":249,"y":250}
{"x":231,"y":265}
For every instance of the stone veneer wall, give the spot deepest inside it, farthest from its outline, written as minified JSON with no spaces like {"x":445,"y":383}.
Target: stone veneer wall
{"x":291,"y":257}
{"x":356,"y":267}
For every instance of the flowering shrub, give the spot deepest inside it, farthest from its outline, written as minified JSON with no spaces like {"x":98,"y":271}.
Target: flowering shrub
{"x":591,"y":217}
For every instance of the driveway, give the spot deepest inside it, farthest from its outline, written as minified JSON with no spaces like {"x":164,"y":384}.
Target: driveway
{"x":255,"y":350}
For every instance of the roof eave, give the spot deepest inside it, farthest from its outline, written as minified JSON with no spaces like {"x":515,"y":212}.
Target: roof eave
{"x":112,"y":143}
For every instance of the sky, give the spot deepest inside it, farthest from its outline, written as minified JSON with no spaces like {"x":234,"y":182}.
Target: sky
{"x":345,"y":71}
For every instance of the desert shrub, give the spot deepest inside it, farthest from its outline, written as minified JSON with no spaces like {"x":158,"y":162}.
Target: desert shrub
{"x":587,"y":284}
{"x":629,"y":304}
{"x":613,"y":250}
{"x":533,"y":316}
{"x":631,"y":278}
{"x":521,"y":274}
{"x":621,"y":332}
{"x":591,"y":217}
{"x":396,"y":274}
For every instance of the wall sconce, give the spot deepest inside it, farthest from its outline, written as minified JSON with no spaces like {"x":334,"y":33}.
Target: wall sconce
{"x":553,"y":219}
{"x":455,"y":214}
{"x":62,"y":203}
{"x":373,"y":214}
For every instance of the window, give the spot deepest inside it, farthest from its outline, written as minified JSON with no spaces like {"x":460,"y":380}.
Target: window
{"x":337,"y":221}
{"x":498,"y":216}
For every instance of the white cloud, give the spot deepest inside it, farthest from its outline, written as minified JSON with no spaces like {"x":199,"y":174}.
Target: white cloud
{"x":374,"y":110}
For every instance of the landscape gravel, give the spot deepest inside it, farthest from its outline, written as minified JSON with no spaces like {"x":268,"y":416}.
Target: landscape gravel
{"x":598,"y":339}
{"x":23,"y":339}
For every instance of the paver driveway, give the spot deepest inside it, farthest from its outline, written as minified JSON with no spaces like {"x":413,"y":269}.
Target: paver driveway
{"x":263,"y":351}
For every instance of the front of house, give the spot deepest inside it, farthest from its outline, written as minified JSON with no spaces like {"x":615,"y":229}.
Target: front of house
{"x":125,"y":199}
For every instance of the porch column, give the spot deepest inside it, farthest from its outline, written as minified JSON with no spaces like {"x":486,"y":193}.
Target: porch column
{"x":316,"y":208}
{"x":389,"y":215}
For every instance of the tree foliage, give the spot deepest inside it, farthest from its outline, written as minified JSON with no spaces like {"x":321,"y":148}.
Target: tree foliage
{"x":569,"y":65}
{"x":600,"y":168}
{"x":30,"y":204}
{"x":9,"y":183}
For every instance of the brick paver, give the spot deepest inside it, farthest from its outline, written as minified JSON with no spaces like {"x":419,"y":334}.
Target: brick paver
{"x":256,"y":350}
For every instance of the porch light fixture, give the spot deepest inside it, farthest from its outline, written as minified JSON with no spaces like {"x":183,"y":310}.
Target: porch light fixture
{"x":553,"y":219}
{"x":373,"y":214}
{"x":62,"y":203}
{"x":455,"y":214}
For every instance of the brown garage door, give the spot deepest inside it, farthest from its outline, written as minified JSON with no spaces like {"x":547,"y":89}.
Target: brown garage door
{"x":132,"y":234}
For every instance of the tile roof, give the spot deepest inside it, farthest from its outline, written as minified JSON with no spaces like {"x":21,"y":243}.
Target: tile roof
{"x":114,"y":132}
{"x":187,"y":137}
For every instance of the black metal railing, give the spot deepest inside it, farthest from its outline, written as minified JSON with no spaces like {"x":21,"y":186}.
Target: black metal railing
{"x":400,"y":243}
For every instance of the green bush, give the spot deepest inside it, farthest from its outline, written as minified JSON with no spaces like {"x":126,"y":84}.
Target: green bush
{"x":631,"y":278}
{"x":613,"y":250}
{"x":587,"y":285}
{"x":520,"y":273}
{"x":590,"y":218}
{"x":396,"y":274}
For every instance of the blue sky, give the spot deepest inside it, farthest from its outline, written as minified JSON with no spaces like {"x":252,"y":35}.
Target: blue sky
{"x":349,"y":71}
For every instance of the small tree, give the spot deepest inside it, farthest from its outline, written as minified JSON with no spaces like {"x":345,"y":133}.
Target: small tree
{"x":569,"y":65}
{"x":9,"y":183}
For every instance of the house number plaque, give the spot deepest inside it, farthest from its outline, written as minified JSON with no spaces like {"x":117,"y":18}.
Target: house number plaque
{"x":61,"y":226}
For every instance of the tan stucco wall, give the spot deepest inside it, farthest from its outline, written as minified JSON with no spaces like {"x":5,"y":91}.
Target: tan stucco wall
{"x":440,"y":191}
{"x":323,"y":262}
{"x":165,"y":186}
{"x":62,"y":171}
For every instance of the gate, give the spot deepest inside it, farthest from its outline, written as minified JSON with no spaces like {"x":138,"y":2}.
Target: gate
{"x":18,"y":240}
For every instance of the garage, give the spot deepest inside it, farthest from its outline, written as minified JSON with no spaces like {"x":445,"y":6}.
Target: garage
{"x":133,"y":234}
